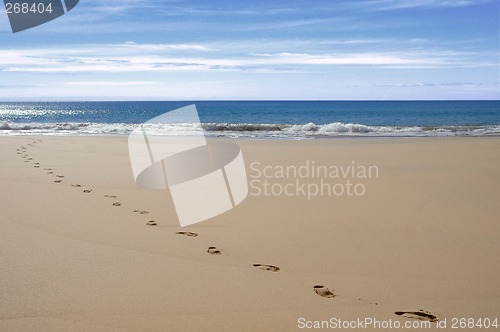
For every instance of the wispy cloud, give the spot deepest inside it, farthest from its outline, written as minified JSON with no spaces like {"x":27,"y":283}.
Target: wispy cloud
{"x":398,"y":4}
{"x":426,"y":84}
{"x":287,"y":24}
{"x":352,"y":59}
{"x":169,"y":47}
{"x":110,"y":83}
{"x":134,"y":57}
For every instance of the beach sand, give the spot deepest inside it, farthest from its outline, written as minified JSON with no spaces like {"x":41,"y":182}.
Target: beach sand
{"x":423,"y":236}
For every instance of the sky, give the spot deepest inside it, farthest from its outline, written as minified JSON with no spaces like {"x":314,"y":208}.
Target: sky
{"x":257,"y":50}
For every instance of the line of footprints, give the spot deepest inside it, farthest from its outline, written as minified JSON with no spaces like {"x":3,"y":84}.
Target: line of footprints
{"x":321,"y":290}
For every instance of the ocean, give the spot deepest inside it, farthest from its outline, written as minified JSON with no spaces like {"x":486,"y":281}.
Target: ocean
{"x":260,"y":119}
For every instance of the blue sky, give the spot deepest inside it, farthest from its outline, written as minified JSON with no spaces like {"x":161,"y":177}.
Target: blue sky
{"x":221,"y":49}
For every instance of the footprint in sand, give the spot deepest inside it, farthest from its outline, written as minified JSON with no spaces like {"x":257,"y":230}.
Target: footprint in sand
{"x":50,"y":172}
{"x":37,"y":166}
{"x":76,"y":185}
{"x":266,"y":267}
{"x":420,"y":315}
{"x":110,"y":196}
{"x":117,"y":204}
{"x":58,"y":181}
{"x":87,"y":191}
{"x":190,"y":234}
{"x":151,"y":223}
{"x":141,"y":211}
{"x":47,"y":169}
{"x":60,"y":176}
{"x":323,"y":291}
{"x":213,"y":251}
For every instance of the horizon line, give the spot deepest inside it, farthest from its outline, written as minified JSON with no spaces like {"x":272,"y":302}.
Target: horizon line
{"x":236,"y":100}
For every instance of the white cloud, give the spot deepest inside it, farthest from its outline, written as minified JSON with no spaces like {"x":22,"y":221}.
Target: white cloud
{"x":109,"y":83}
{"x":425,"y":84}
{"x":398,"y":4}
{"x":134,"y":57}
{"x":352,"y":59}
{"x":171,"y":47}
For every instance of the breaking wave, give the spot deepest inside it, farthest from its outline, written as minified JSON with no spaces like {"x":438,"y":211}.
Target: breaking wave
{"x":247,"y":130}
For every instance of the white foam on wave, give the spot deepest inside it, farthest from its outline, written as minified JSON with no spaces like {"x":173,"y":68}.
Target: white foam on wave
{"x":245,"y":130}
{"x":336,"y":128}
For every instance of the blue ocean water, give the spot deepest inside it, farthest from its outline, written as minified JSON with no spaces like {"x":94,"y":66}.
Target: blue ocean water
{"x":260,"y":119}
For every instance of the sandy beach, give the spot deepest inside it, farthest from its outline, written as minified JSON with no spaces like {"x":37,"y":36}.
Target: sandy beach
{"x":420,"y":235}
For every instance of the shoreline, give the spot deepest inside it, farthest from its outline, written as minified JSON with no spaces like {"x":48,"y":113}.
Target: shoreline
{"x":310,"y":138}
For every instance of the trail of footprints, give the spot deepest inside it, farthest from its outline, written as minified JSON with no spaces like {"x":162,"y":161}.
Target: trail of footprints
{"x":320,"y":290}
{"x":59,"y":178}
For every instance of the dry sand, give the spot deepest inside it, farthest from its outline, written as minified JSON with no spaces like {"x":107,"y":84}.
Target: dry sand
{"x":424,"y":236}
